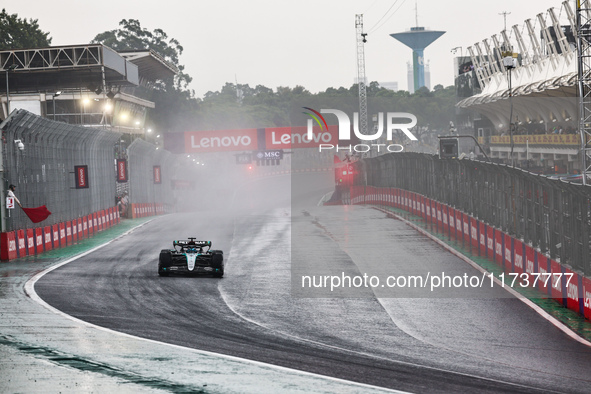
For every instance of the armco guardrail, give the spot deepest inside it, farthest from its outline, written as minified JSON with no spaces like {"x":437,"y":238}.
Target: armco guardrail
{"x":551,"y":216}
{"x":511,"y":254}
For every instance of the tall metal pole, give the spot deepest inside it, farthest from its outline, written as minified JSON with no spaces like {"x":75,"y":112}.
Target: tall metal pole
{"x":584,"y":83}
{"x":511,"y":118}
{"x":361,"y":73}
{"x":7,"y":95}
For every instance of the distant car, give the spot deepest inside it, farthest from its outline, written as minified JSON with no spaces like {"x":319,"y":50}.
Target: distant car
{"x":191,"y":257}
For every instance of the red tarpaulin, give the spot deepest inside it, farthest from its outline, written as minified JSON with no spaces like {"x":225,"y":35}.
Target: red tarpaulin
{"x":38,"y":214}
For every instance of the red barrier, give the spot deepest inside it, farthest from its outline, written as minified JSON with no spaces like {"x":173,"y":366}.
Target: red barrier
{"x":75,"y":230}
{"x":8,"y":245}
{"x":56,"y":236}
{"x":99,"y":218}
{"x":466,"y":227}
{"x":117,"y":218}
{"x":95,"y":227}
{"x":518,"y":257}
{"x":474,"y":233}
{"x":556,"y":281}
{"x":90,"y":225}
{"x":530,"y":263}
{"x":39,"y":240}
{"x":544,"y":282}
{"x":47,"y":243}
{"x":62,"y":234}
{"x":571,"y":284}
{"x":587,"y":298}
{"x":459,"y":230}
{"x":508,"y":251}
{"x":68,"y":225}
{"x":20,"y":243}
{"x":482,"y":239}
{"x":499,"y":247}
{"x":80,"y":229}
{"x":490,"y":242}
{"x":30,"y":241}
{"x":85,"y":230}
{"x":451,"y":219}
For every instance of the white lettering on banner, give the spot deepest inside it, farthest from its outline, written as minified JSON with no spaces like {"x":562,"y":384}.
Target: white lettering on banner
{"x":529,"y":266}
{"x":47,"y":237}
{"x":217,"y":142}
{"x":587,"y":299}
{"x":507,"y":253}
{"x":81,"y":180}
{"x":572,"y":291}
{"x":11,"y":246}
{"x":474,"y":233}
{"x":499,"y":249}
{"x":21,"y":243}
{"x":482,"y":239}
{"x":518,"y":261}
{"x":30,"y":242}
{"x":543,"y":270}
{"x":39,"y":240}
{"x":489,"y":243}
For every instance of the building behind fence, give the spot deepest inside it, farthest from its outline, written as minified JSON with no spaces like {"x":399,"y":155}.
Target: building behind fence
{"x":548,"y":214}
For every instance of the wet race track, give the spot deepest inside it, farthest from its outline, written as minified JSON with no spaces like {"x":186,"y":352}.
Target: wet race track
{"x":416,"y":345}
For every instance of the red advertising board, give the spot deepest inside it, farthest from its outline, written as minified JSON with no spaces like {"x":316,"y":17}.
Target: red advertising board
{"x":48,"y":245}
{"x":81,"y":173}
{"x":587,"y":297}
{"x":20,"y":243}
{"x":507,"y":251}
{"x":157,"y":173}
{"x":56,"y":236}
{"x":220,"y":140}
{"x":69,"y":233}
{"x":459,"y":225}
{"x":62,"y":234}
{"x":482,"y":238}
{"x":530,"y":263}
{"x":571,"y":282}
{"x":8,"y":245}
{"x":518,"y":258}
{"x":30,"y":241}
{"x":297,"y":137}
{"x":556,"y":280}
{"x":499,"y":236}
{"x":490,"y":242}
{"x":466,"y":227}
{"x":439,"y":215}
{"x":474,"y":233}
{"x":121,"y":170}
{"x":39,"y":240}
{"x":544,"y":284}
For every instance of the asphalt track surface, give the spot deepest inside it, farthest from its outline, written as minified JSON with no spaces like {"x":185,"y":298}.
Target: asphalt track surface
{"x":459,"y":345}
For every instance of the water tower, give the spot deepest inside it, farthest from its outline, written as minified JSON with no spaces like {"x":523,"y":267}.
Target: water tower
{"x":418,"y":39}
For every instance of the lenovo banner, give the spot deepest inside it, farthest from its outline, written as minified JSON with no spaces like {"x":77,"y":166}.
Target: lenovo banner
{"x":221,"y":140}
{"x":121,"y":170}
{"x":81,"y":174}
{"x":157,"y":175}
{"x":297,"y":137}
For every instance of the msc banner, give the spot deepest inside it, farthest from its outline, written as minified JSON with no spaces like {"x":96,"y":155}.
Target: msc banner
{"x":81,"y":174}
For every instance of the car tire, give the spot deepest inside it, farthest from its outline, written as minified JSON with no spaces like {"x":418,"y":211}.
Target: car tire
{"x":165,"y":261}
{"x":219,"y":274}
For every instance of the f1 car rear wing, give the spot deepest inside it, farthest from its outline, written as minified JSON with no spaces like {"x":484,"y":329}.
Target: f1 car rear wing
{"x":191,"y":242}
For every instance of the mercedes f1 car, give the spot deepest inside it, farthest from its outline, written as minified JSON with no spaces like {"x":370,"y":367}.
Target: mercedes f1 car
{"x":191,"y":257}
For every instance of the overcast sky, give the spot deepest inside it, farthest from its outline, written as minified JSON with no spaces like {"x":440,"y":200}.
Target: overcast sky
{"x":288,"y":43}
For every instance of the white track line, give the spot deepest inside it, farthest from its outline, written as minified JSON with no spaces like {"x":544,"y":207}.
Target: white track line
{"x":557,"y":323}
{"x":30,"y":291}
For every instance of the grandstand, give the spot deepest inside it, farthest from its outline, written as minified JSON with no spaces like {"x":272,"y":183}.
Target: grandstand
{"x":535,"y":99}
{"x":89,"y":85}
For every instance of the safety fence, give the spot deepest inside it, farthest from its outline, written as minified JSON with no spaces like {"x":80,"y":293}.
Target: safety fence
{"x":151,"y":173}
{"x":65,"y":167}
{"x":72,"y":170}
{"x":551,"y":216}
{"x":533,"y":268}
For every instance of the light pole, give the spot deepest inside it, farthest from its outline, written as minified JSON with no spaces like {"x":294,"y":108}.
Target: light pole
{"x":10,"y":68}
{"x":53,"y":99}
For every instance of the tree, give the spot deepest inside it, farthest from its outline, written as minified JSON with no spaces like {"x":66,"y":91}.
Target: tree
{"x":132,"y":37}
{"x":18,"y":33}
